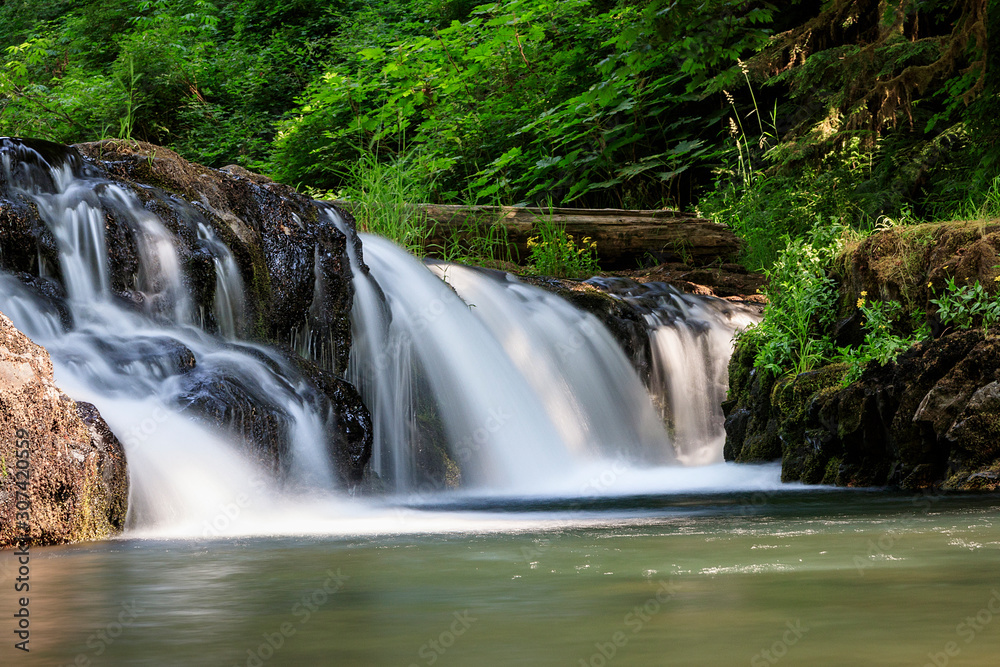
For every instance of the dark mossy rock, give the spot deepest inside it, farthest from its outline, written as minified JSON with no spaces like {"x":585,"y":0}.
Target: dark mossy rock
{"x":912,"y":264}
{"x":225,"y":399}
{"x":291,"y":255}
{"x":932,"y":418}
{"x":349,"y":429}
{"x":751,"y":428}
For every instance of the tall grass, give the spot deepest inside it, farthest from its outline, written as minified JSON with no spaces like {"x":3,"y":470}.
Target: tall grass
{"x":478,"y":241}
{"x":983,"y":205}
{"x":383,"y":194}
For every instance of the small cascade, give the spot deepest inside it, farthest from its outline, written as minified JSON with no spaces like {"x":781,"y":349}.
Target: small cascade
{"x":381,"y":367}
{"x":160,"y":278}
{"x":495,"y":423}
{"x":74,"y":215}
{"x":469,"y":335}
{"x":229,"y":305}
{"x":691,"y":340}
{"x":579,"y":373}
{"x":150,"y":371}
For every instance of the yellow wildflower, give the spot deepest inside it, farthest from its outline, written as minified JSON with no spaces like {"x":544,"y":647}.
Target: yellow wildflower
{"x":864,"y":293}
{"x":861,"y":302}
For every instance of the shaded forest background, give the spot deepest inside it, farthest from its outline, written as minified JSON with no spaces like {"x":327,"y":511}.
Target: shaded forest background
{"x":775,"y":118}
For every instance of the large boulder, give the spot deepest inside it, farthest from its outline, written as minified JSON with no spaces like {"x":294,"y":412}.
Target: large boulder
{"x":77,"y":480}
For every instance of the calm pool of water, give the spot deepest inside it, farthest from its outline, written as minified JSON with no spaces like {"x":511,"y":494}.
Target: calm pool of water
{"x":793,"y":578}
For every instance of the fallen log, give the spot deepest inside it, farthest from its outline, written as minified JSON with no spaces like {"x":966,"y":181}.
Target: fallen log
{"x":625,"y":239}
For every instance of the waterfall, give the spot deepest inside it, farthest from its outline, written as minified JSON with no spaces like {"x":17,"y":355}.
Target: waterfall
{"x":691,"y":340}
{"x":475,"y":379}
{"x":495,"y":424}
{"x":129,"y":358}
{"x":530,"y":388}
{"x":579,"y":374}
{"x":229,"y":306}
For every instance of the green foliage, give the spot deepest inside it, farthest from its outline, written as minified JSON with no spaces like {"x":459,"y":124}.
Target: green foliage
{"x":965,"y":306}
{"x":791,"y":338}
{"x":534,"y":99}
{"x":553,"y":252}
{"x":626,"y":103}
{"x":767,"y":208}
{"x":383,"y":194}
{"x":982,"y":205}
{"x":883,"y":343}
{"x":480,"y":242}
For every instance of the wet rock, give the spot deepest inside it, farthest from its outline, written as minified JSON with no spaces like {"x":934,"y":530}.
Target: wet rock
{"x":930,"y":419}
{"x":225,"y":399}
{"x":292,"y":258}
{"x":77,"y":481}
{"x":724,"y":281}
{"x":290,"y":254}
{"x":250,"y":409}
{"x":159,"y":356}
{"x":26,"y":244}
{"x":349,"y":429}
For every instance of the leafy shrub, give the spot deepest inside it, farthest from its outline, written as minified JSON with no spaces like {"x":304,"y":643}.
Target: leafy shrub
{"x":882,"y":343}
{"x":967,"y":305}
{"x":791,"y":338}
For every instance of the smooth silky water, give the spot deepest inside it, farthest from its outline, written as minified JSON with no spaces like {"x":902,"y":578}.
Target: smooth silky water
{"x":813,"y":577}
{"x":584,"y":532}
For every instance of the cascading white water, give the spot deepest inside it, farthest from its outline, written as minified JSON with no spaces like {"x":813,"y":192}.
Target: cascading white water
{"x":495,"y":423}
{"x":533,"y":394}
{"x":160,"y":277}
{"x":691,"y":340}
{"x":229,"y":306}
{"x":573,"y":381}
{"x":83,"y":255}
{"x":690,"y":371}
{"x":381,"y":368}
{"x":579,"y":373}
{"x":125,"y":361}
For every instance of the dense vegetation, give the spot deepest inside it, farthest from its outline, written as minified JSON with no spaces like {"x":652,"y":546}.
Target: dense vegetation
{"x":793,"y":123}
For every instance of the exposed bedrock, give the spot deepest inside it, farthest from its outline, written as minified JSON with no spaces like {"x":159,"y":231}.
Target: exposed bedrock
{"x":929,"y":420}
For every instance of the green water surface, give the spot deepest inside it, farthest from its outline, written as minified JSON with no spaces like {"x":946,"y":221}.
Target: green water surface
{"x":803,"y":578}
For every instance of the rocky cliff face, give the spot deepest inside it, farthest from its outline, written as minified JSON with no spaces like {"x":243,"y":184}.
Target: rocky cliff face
{"x":74,"y":474}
